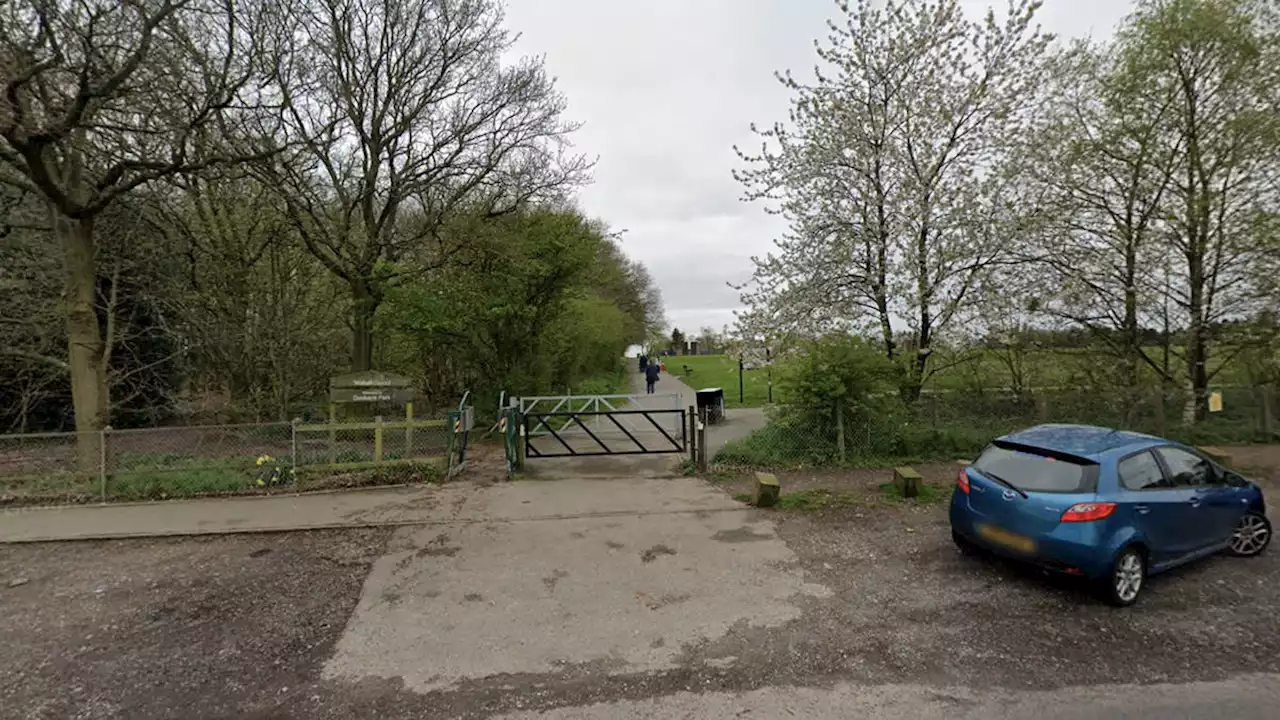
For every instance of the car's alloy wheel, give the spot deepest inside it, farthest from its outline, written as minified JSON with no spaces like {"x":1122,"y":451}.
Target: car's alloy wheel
{"x":1127,"y":577}
{"x":1252,"y":535}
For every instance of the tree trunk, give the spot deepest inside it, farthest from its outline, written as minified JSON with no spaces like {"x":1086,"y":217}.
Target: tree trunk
{"x":1197,"y":377}
{"x":1197,"y":350}
{"x":364,"y":306}
{"x":85,"y":358}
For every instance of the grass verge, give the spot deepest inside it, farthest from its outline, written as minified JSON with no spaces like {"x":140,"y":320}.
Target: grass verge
{"x":210,"y":482}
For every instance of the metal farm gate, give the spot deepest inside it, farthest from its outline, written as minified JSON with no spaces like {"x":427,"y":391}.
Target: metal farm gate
{"x":596,"y":425}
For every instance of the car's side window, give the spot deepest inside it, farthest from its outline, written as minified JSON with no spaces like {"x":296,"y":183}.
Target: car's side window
{"x":1186,"y":469}
{"x":1142,"y":472}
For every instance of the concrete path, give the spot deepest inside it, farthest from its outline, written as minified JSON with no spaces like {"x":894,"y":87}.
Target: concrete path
{"x":429,"y":505}
{"x":614,"y":595}
{"x":1250,"y":697}
{"x":738,"y":422}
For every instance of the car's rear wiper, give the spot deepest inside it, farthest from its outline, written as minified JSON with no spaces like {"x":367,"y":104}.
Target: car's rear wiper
{"x":1004,"y":482}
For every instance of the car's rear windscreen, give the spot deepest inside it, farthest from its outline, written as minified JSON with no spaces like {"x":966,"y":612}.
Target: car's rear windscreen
{"x":1032,"y":471}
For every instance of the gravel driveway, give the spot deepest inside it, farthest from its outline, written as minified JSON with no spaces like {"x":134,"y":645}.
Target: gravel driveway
{"x":244,"y":626}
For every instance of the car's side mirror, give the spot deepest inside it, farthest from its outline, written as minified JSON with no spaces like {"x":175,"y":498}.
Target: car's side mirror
{"x":1232,"y":479}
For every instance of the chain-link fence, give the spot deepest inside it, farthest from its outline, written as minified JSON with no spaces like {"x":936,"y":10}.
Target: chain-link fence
{"x":159,"y":463}
{"x":958,"y":425}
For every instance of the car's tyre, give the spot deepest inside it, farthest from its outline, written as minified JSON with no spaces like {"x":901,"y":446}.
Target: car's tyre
{"x":1252,"y":535}
{"x":966,"y":547}
{"x":1127,"y":578}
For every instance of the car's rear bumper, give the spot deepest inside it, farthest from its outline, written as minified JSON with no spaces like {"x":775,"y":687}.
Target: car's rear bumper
{"x":1070,"y":549}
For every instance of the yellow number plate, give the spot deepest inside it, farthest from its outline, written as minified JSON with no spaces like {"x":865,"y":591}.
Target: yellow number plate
{"x":1007,"y":539}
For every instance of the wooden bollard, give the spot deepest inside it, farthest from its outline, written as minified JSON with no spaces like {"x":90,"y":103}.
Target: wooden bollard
{"x":907,"y":480}
{"x":767,"y":489}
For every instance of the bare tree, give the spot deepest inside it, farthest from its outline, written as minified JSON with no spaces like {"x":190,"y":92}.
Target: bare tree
{"x":104,"y":96}
{"x":262,"y":316}
{"x":405,"y":112}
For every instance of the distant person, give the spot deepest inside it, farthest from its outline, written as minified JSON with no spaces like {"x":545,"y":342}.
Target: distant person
{"x":644,"y":362}
{"x":651,"y":374}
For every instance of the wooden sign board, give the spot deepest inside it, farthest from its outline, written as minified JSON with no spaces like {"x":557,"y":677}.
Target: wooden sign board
{"x":399,"y":396}
{"x":369,"y":387}
{"x":370,"y":379}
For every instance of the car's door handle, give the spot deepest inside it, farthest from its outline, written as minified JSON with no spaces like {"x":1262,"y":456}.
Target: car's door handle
{"x":1195,"y":502}
{"x":1142,"y":509}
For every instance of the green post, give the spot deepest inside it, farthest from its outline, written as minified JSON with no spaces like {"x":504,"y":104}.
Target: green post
{"x":333,"y":433}
{"x":518,"y":420}
{"x":408,"y":430}
{"x":452,"y":422}
{"x":377,"y":439}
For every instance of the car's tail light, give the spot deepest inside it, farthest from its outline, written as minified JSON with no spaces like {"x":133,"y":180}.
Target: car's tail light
{"x":962,"y":481}
{"x":1088,"y":512}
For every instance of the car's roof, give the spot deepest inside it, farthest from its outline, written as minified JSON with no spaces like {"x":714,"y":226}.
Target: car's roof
{"x":1084,"y":441}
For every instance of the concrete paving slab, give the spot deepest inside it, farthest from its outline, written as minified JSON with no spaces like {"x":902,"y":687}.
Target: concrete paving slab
{"x":620,"y":594}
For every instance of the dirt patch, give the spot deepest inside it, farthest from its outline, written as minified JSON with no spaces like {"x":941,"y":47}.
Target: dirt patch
{"x":160,"y":629}
{"x":657,"y":603}
{"x":740,"y":535}
{"x":907,"y":601}
{"x":1259,"y":462}
{"x":655,"y":552}
{"x":556,"y":576}
{"x":439,"y":547}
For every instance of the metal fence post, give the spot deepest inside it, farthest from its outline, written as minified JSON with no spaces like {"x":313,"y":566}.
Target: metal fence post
{"x":702,"y":441}
{"x":102,"y":462}
{"x":377,"y":439}
{"x":293,"y":450}
{"x":840,"y":429}
{"x":693,"y":435}
{"x":1266,"y":423}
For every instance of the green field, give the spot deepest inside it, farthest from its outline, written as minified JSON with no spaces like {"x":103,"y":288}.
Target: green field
{"x":985,"y":372}
{"x":1059,"y":368}
{"x":708,"y":371}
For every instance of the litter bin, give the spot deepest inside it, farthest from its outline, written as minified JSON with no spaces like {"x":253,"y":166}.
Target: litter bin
{"x":711,"y":404}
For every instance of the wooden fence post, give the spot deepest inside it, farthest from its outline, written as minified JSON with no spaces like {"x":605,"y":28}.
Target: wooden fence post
{"x":408,"y":430}
{"x":333,"y":433}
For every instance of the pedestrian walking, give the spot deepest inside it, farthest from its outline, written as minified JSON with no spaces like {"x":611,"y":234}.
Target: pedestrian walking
{"x":651,"y":374}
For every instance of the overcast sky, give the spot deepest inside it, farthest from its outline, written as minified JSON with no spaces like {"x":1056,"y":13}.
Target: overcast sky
{"x":665,"y":88}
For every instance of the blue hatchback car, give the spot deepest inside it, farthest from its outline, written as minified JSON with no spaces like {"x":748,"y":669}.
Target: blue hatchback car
{"x":1107,"y":505}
